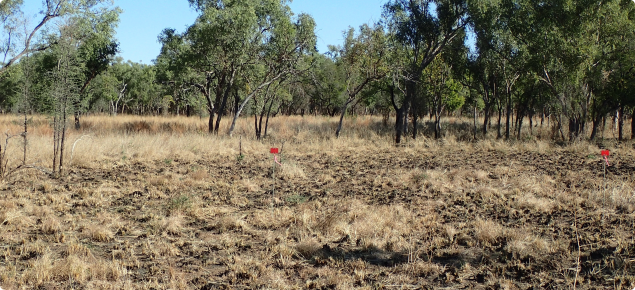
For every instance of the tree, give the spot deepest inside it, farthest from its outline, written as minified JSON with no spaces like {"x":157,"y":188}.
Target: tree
{"x":323,"y":83}
{"x":280,"y":53}
{"x":66,"y":83}
{"x":443,"y":92}
{"x":423,"y":28}
{"x":96,"y":49}
{"x":257,"y":41}
{"x":17,"y":40}
{"x":610,"y":78}
{"x":363,"y":60}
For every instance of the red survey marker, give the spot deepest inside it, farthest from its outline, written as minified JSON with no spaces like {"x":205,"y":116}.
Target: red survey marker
{"x":605,"y":154}
{"x":275,"y":151}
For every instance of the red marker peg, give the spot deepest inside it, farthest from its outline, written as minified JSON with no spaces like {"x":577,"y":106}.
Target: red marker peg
{"x":605,"y":154}
{"x":274,"y":151}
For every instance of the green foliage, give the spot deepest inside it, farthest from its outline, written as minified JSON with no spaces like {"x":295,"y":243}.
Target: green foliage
{"x":179,"y":203}
{"x":296,"y":199}
{"x":572,"y":59}
{"x":453,"y":98}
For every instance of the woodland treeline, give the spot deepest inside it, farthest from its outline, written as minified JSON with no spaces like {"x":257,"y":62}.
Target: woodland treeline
{"x":500,"y":62}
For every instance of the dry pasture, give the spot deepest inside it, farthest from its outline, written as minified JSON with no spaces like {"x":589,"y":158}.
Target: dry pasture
{"x":157,"y":203}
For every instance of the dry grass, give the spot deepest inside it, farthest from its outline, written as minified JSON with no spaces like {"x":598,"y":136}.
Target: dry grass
{"x":157,"y":203}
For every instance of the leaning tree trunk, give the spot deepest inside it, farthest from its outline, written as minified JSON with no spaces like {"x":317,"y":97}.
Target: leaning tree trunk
{"x":500,"y":116}
{"x":221,"y":109}
{"x":343,"y":112}
{"x":267,"y":121}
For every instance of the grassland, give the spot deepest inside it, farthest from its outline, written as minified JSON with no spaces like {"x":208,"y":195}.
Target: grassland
{"x":157,"y":203}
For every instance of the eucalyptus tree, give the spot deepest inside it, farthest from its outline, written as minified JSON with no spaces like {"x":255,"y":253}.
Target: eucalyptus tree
{"x":441,"y":91}
{"x":280,"y":51}
{"x":19,"y":39}
{"x":96,"y":47}
{"x":324,"y":83}
{"x":363,"y":58}
{"x":10,"y":84}
{"x":611,"y":46}
{"x":66,"y":81}
{"x":423,"y":28}
{"x":554,"y":37}
{"x":274,"y":94}
{"x":482,"y":65}
{"x":257,"y":41}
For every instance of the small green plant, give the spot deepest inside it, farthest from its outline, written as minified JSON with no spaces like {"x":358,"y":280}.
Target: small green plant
{"x":179,"y":203}
{"x":591,"y":156}
{"x":419,"y":177}
{"x":240,"y":157}
{"x":296,"y":199}
{"x":168,"y":161}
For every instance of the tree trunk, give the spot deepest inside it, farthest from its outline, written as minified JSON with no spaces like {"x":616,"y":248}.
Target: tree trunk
{"x":437,"y":125}
{"x":256,"y":126}
{"x":633,"y":124}
{"x":571,"y":129}
{"x":77,"y":124}
{"x":55,"y":142}
{"x":399,"y":124}
{"x":236,"y":103}
{"x":476,"y":129}
{"x":500,"y":116}
{"x":519,"y":117}
{"x":64,"y":119}
{"x":486,"y":117}
{"x":210,"y":123}
{"x":267,"y":121}
{"x":531,"y":123}
{"x":508,"y":116}
{"x":542,"y":118}
{"x":415,"y":118}
{"x":603,"y":126}
{"x":438,"y":110}
{"x":343,"y":112}
{"x":621,"y":124}
{"x":596,"y":124}
{"x":221,"y":109}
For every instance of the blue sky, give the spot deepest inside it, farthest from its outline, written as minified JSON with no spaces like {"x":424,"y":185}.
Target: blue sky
{"x":143,"y":20}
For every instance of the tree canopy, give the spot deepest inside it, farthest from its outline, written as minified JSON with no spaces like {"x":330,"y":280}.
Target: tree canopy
{"x":569,"y":61}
